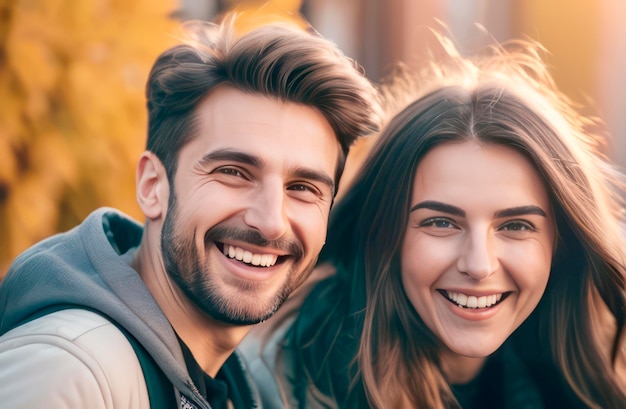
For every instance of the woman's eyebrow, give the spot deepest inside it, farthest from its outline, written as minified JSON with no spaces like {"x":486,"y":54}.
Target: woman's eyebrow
{"x":521,"y":210}
{"x":446,"y":208}
{"x":440,"y":207}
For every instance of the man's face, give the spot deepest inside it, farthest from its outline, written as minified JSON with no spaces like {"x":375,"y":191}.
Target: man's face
{"x":249,"y":204}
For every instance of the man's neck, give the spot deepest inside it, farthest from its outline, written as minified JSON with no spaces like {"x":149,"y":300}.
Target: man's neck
{"x":210,"y":342}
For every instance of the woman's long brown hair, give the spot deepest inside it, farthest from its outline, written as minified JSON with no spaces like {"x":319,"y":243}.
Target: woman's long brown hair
{"x":503,"y":96}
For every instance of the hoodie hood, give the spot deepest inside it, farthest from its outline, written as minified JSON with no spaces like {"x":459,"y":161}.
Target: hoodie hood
{"x":82,"y":267}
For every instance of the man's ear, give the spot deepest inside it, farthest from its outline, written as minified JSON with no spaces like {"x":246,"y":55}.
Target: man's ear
{"x":152,"y":186}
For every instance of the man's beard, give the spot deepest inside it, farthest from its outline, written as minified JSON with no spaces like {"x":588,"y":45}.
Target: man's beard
{"x":199,"y":283}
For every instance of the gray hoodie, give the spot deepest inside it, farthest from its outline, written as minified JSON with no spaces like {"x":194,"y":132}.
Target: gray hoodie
{"x":88,"y":266}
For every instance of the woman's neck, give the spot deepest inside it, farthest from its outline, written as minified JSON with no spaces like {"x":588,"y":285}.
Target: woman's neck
{"x":459,"y":369}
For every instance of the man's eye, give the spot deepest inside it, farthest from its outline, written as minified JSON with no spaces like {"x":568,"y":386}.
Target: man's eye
{"x":230,"y":171}
{"x":309,"y":192}
{"x":302,"y":188}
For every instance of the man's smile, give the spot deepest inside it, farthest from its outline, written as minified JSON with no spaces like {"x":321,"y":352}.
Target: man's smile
{"x":261,"y":260}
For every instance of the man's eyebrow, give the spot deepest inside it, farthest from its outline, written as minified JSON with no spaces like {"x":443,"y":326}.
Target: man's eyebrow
{"x":231,"y":155}
{"x":521,"y":210}
{"x":245,"y":158}
{"x":319,"y":176}
{"x":440,"y":207}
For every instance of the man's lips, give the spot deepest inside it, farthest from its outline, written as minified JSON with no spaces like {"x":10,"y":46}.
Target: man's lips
{"x":250,"y":248}
{"x":247,"y":257}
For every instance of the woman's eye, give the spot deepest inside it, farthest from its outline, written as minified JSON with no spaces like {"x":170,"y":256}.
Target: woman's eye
{"x":439,"y":223}
{"x":518,"y":225}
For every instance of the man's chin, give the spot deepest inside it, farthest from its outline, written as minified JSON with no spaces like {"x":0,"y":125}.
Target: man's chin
{"x":241,"y":318}
{"x":239,"y":321}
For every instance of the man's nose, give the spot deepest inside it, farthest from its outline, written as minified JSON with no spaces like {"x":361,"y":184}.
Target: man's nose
{"x":266,"y":212}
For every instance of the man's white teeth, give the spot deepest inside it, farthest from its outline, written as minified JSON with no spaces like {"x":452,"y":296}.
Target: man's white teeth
{"x":263,"y":260}
{"x":471,"y":301}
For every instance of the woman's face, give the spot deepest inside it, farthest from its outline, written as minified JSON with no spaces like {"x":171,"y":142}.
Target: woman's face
{"x":478,"y":245}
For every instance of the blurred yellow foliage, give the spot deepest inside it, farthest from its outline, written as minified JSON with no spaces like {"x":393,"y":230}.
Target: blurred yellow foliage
{"x":72,"y":110}
{"x":255,"y":13}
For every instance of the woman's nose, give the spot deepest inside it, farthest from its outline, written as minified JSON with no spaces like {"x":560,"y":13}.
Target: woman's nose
{"x":478,"y":258}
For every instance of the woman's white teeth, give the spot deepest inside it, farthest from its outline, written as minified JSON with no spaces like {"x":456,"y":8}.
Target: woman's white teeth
{"x":471,"y":301}
{"x":264,"y":260}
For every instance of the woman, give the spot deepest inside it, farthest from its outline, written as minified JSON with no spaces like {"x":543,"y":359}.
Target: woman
{"x":478,"y":254}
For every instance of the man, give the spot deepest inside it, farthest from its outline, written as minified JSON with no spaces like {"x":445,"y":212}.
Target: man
{"x":246,"y":143}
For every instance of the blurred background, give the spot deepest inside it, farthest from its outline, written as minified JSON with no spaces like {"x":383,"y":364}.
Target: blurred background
{"x":72,"y":75}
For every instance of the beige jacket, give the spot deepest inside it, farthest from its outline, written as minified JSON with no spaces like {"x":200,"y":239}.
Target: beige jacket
{"x":93,"y":364}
